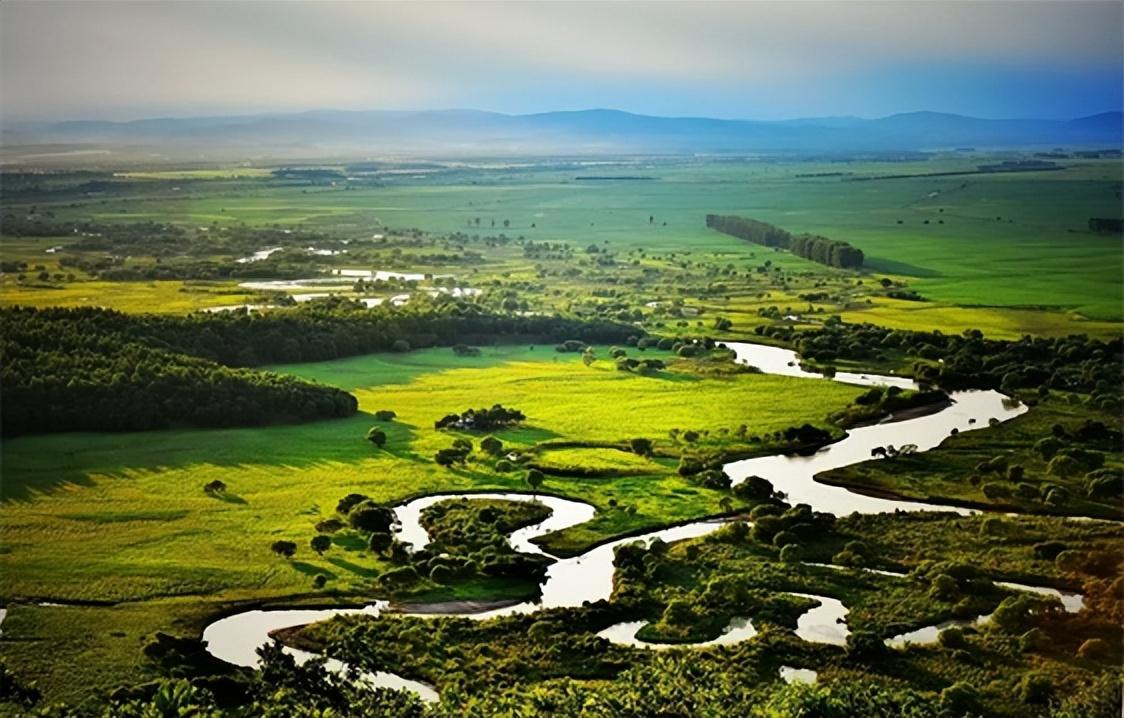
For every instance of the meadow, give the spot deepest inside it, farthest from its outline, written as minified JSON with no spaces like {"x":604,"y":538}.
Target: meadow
{"x":123,"y":518}
{"x":1006,"y":253}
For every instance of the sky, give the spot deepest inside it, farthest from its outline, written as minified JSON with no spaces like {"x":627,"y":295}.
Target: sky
{"x":97,"y":59}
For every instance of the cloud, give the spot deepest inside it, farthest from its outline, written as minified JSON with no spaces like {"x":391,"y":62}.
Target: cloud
{"x":120,"y":59}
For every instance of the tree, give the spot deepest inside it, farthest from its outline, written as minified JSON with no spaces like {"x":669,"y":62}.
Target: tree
{"x":376,"y":436}
{"x":754,"y":488}
{"x":344,"y":505}
{"x":534,"y":480}
{"x":491,"y":445}
{"x":380,"y":541}
{"x":370,"y":517}
{"x":641,"y":447}
{"x":284,"y":548}
{"x":320,"y":543}
{"x":214,"y":487}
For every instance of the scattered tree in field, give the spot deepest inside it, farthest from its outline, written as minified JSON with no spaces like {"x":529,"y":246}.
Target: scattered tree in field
{"x":214,"y":487}
{"x":497,"y":417}
{"x":376,"y":436}
{"x":369,"y":517}
{"x":491,"y":445}
{"x":380,"y":542}
{"x":320,"y":543}
{"x":344,"y":505}
{"x":534,"y":480}
{"x":284,"y":548}
{"x":640,"y":446}
{"x":456,"y":454}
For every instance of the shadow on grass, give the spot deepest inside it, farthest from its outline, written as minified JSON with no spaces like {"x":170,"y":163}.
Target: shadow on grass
{"x":890,"y":266}
{"x":349,"y":542}
{"x":46,"y":463}
{"x":228,"y":498}
{"x":354,"y":568}
{"x":310,"y":570}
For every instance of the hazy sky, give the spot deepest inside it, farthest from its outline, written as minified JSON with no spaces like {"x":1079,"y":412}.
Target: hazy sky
{"x":766,"y":60}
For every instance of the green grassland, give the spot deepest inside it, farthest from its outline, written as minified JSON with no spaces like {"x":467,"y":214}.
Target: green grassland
{"x":123,"y":518}
{"x":1006,"y":253}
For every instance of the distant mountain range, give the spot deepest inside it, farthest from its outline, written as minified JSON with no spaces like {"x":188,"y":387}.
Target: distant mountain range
{"x":476,"y":133}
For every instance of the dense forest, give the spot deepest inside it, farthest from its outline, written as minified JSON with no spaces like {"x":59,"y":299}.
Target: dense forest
{"x":830,"y":252}
{"x":969,"y":361}
{"x":99,"y":370}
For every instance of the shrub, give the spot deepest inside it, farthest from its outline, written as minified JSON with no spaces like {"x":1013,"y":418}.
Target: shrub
{"x":1032,"y":640}
{"x":865,"y":644}
{"x":369,"y":517}
{"x":319,"y":580}
{"x":320,"y":543}
{"x":641,"y":447}
{"x":1048,"y":550}
{"x":503,"y":466}
{"x":791,"y":553}
{"x":376,"y":436}
{"x":491,"y":445}
{"x":399,"y":577}
{"x":754,"y":488}
{"x":441,"y":574}
{"x":944,"y":588}
{"x":767,"y":527}
{"x":952,"y":638}
{"x":785,"y":538}
{"x":329,"y":526}
{"x":385,"y":415}
{"x":1063,"y":466}
{"x":1035,"y":688}
{"x":400,"y":345}
{"x":997,"y":490}
{"x":1047,"y":448}
{"x":960,"y":699}
{"x":283,"y":548}
{"x":214,"y":487}
{"x":344,"y":506}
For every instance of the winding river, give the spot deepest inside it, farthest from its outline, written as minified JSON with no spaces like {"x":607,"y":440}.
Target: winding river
{"x":589,"y":577}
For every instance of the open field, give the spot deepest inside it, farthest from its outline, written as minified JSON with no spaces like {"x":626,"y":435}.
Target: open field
{"x":990,"y":251}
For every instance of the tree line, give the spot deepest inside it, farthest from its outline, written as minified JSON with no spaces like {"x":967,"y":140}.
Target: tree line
{"x":1075,"y":363}
{"x":831,"y":252}
{"x":58,"y":375}
{"x":93,"y":369}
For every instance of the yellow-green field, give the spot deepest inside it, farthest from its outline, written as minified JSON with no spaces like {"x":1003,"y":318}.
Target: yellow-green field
{"x":168,"y":296}
{"x":124,"y":518}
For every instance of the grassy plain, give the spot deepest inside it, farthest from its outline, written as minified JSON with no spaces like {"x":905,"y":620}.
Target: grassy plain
{"x":123,"y":518}
{"x":1006,"y":253}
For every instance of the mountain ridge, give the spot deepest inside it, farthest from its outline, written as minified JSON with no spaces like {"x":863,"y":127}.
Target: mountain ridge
{"x":598,"y":130}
